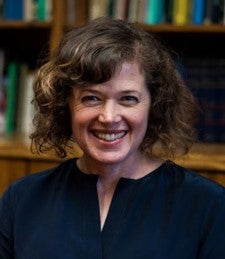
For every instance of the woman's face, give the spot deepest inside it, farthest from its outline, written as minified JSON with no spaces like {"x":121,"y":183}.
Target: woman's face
{"x":109,"y":120}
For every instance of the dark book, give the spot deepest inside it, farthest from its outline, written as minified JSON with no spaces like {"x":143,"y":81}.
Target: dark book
{"x":206,"y":78}
{"x":11,"y":95}
{"x":13,"y":10}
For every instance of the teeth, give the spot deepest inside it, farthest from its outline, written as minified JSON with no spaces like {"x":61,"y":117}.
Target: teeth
{"x":110,"y":137}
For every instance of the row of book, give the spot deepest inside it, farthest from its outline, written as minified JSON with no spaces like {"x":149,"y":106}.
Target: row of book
{"x":178,"y":12}
{"x":16,"y":94}
{"x":26,"y":10}
{"x":206,"y":78}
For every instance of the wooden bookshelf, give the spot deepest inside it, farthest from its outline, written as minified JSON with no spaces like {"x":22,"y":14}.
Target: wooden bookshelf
{"x":16,"y":159}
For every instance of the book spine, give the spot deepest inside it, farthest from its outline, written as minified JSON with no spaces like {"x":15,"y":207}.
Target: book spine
{"x":29,"y":10}
{"x":25,"y":107}
{"x":141,"y":11}
{"x":97,"y":8}
{"x":208,"y":12}
{"x":110,"y":8}
{"x":155,"y":11}
{"x":41,"y":11}
{"x":48,"y":10}
{"x":168,"y":11}
{"x":121,"y":9}
{"x":13,"y":9}
{"x":2,"y":93}
{"x":1,"y":9}
{"x":223,"y":7}
{"x":11,"y":93}
{"x":71,"y":12}
{"x":198,"y":11}
{"x":133,"y":11}
{"x":44,"y":10}
{"x":180,"y":12}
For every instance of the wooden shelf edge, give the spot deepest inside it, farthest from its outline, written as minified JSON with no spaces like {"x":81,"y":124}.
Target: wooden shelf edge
{"x":11,"y":24}
{"x":13,"y":148}
{"x":187,"y":28}
{"x":200,"y":157}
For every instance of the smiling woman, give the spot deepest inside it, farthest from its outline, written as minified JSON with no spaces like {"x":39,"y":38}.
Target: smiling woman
{"x":116,"y":91}
{"x":92,"y":55}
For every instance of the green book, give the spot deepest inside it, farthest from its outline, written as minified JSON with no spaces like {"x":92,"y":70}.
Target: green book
{"x":41,"y":11}
{"x":11,"y":93}
{"x":154,"y":11}
{"x":44,"y":10}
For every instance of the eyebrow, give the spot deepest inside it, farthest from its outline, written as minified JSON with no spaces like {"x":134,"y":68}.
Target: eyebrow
{"x":89,"y":89}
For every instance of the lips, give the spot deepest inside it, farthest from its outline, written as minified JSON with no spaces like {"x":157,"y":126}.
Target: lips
{"x":109,"y":136}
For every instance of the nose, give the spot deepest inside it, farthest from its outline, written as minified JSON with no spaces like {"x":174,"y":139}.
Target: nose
{"x":110,"y":113}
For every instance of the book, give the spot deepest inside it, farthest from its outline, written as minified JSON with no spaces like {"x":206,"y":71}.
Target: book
{"x":13,"y":9}
{"x":223,"y":12}
{"x":214,"y":11}
{"x":168,"y":9}
{"x":25,"y":110}
{"x":110,"y":8}
{"x":2,"y":93}
{"x":71,"y":12}
{"x":11,"y":94}
{"x":97,"y":8}
{"x":30,"y":10}
{"x":133,"y":11}
{"x":44,"y":10}
{"x":180,"y":12}
{"x":121,"y":9}
{"x":206,"y":78}
{"x":1,"y":9}
{"x":198,"y":11}
{"x":141,"y":11}
{"x":2,"y":111}
{"x":154,"y":11}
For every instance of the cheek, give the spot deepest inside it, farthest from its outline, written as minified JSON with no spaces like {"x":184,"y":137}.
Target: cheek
{"x":81,"y":119}
{"x":140,"y":116}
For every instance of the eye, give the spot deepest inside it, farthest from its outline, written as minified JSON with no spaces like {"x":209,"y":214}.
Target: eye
{"x":129,"y":100}
{"x":90,"y":100}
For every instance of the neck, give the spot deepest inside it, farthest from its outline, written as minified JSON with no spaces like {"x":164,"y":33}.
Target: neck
{"x":127,"y":169}
{"x":109,"y":175}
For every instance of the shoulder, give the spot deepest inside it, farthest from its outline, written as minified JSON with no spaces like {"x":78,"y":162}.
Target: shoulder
{"x":192,"y":184}
{"x":37,"y":182}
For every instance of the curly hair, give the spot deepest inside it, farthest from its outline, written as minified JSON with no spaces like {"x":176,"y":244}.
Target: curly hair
{"x":92,"y":54}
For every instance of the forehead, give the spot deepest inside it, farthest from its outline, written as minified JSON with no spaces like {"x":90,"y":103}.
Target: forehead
{"x":128,"y":69}
{"x":126,"y":78}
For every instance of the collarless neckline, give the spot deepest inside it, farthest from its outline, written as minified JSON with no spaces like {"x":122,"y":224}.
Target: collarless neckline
{"x":124,"y":179}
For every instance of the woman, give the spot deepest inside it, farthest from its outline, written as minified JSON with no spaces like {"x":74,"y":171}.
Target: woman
{"x":115,"y":91}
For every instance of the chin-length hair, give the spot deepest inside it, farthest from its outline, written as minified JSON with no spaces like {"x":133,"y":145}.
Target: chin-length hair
{"x":92,"y":54}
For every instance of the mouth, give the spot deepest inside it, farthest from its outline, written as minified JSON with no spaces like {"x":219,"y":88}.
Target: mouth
{"x":109,"y":136}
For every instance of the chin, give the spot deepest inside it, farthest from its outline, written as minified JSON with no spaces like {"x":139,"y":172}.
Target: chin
{"x":111,"y":158}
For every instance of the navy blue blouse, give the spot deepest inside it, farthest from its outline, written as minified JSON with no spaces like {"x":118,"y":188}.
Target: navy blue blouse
{"x":171,"y":213}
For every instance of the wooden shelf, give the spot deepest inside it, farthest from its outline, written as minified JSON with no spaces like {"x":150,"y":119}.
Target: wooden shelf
{"x":205,"y":157}
{"x":189,"y":28}
{"x":24,"y":25}
{"x":14,"y":148}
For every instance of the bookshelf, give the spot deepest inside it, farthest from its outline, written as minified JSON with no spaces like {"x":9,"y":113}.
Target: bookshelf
{"x":36,"y":39}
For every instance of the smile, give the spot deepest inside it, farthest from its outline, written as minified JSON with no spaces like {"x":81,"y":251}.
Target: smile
{"x":109,"y":137}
